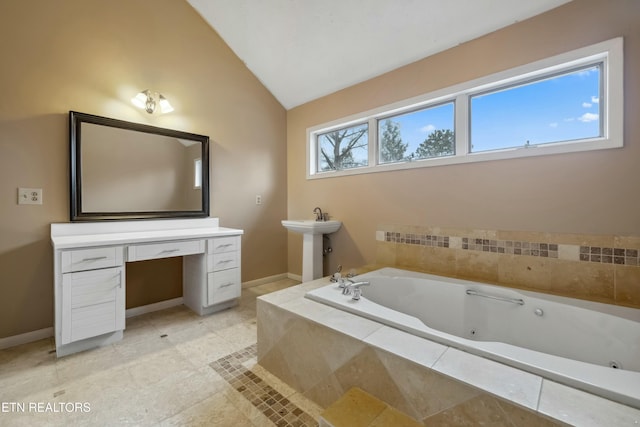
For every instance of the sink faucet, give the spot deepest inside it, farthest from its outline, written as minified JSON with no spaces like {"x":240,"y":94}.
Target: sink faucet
{"x":318,"y":212}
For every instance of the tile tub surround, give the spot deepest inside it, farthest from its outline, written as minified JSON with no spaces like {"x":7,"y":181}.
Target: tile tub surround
{"x":322,"y":352}
{"x":602,"y":268}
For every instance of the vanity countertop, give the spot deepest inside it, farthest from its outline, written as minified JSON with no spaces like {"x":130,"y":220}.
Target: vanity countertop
{"x":77,"y":235}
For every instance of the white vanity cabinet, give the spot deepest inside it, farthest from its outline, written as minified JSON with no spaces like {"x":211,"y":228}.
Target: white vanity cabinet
{"x":89,"y":272}
{"x":223,"y":269}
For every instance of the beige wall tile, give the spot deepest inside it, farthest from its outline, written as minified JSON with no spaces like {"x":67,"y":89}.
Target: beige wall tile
{"x":409,"y":255}
{"x":627,"y":242}
{"x":584,"y":280}
{"x":386,"y":253}
{"x":524,"y":272}
{"x":474,"y":265}
{"x":627,"y":285}
{"x":439,"y":261}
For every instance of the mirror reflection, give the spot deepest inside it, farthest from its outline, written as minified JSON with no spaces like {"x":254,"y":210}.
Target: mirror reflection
{"x":123,"y":170}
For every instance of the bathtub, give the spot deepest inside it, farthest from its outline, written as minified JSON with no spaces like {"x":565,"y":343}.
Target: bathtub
{"x":590,"y":346}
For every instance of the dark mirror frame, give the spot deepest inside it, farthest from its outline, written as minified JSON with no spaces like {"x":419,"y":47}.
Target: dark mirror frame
{"x":75,"y":139}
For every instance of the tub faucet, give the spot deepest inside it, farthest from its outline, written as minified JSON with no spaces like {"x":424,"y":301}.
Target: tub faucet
{"x":354,"y":287}
{"x":318,"y":212}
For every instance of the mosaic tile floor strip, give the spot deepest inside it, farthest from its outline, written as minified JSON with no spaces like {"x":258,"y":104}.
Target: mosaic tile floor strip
{"x":267,"y":400}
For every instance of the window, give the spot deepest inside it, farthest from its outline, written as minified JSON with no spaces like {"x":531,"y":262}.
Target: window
{"x":567,"y":103}
{"x":344,"y":148}
{"x":197,"y":169}
{"x":416,"y":135}
{"x":557,"y":108}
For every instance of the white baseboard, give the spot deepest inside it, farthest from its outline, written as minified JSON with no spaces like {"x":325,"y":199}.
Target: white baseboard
{"x":297,"y":277}
{"x":262,"y":281}
{"x":25,"y":338}
{"x":28,"y":337}
{"x":156,"y":306}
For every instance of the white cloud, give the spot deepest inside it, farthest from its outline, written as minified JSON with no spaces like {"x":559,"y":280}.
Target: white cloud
{"x":553,"y":125}
{"x":586,"y":104}
{"x":428,"y":128}
{"x":595,"y":99}
{"x":588,"y":117}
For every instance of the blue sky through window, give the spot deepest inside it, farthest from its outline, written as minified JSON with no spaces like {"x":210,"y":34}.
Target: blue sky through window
{"x":562,"y":108}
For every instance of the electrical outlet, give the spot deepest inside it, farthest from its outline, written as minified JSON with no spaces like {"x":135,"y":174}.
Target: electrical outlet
{"x":29,"y":196}
{"x":258,"y":200}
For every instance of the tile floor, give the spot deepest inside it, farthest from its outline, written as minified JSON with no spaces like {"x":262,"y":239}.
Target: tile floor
{"x":172,"y":368}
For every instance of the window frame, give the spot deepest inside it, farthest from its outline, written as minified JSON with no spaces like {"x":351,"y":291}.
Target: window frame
{"x":609,"y":53}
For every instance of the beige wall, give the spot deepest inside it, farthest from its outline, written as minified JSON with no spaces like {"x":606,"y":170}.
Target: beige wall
{"x":93,"y":56}
{"x":591,"y":192}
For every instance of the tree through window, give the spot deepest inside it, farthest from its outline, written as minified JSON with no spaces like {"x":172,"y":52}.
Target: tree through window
{"x":345,"y":148}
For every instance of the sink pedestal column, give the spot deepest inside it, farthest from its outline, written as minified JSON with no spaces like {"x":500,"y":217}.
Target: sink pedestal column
{"x":311,"y":256}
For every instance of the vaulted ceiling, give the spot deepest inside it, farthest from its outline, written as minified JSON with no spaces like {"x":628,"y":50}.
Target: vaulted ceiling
{"x":304,"y":49}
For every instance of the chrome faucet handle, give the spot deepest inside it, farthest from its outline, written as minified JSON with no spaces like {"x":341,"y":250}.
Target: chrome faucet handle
{"x":357,"y":285}
{"x":342,"y":282}
{"x":347,"y":290}
{"x":357,"y":293}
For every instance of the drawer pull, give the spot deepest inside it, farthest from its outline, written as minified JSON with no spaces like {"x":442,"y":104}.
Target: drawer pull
{"x":226,"y":245}
{"x":226,"y":285}
{"x":96,"y":258}
{"x":169,"y":251}
{"x":224,"y":261}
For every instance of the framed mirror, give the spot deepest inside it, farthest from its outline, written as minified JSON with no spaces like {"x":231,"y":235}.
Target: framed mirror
{"x":126,"y":171}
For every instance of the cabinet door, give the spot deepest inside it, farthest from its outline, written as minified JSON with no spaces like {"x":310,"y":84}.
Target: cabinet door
{"x":92,"y":303}
{"x":223,"y":286}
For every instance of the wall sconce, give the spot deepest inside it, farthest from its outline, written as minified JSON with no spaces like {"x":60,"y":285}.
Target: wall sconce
{"x":148,"y":101}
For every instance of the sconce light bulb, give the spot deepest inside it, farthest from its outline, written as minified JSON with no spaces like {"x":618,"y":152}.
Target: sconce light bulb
{"x":140,"y":99}
{"x":165,"y":106}
{"x":148,"y":101}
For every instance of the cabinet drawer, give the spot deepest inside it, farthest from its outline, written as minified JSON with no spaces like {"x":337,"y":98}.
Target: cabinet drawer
{"x":222,"y":261}
{"x":164,"y":250}
{"x":223,"y":244}
{"x":91,"y":259}
{"x":223,"y":286}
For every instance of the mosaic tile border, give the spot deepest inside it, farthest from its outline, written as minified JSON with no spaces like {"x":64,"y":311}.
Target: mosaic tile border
{"x":277,"y":408}
{"x":609,"y":255}
{"x":597,"y":254}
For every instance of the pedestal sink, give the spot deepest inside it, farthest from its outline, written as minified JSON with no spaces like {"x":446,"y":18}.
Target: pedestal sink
{"x":312,"y":232}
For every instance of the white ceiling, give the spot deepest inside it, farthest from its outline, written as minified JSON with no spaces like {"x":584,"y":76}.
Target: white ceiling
{"x":304,"y":49}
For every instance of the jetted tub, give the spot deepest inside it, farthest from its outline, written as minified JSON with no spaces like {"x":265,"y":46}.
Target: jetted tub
{"x":591,"y":346}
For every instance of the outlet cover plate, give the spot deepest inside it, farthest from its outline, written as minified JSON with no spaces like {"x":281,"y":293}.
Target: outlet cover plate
{"x":29,"y":196}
